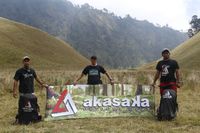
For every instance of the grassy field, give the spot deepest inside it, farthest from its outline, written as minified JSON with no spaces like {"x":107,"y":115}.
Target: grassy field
{"x":188,"y":119}
{"x":46,"y":51}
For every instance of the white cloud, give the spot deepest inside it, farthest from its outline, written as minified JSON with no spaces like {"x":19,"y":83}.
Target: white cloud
{"x":192,"y":7}
{"x":171,"y":12}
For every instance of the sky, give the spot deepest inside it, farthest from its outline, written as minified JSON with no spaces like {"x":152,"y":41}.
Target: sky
{"x":175,"y":13}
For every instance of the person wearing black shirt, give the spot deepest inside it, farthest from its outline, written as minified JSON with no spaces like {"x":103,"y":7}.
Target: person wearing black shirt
{"x":25,"y":76}
{"x":168,"y":71}
{"x":94,"y":73}
{"x":27,"y":100}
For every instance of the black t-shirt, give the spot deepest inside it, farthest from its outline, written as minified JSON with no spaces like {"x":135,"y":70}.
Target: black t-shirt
{"x":94,"y":74}
{"x":26,"y":80}
{"x":167,"y":69}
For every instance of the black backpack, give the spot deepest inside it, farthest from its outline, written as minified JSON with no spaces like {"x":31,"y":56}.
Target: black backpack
{"x":28,"y":111}
{"x":168,"y":105}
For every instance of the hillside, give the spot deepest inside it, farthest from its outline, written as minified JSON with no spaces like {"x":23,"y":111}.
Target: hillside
{"x":117,"y":41}
{"x":187,"y":54}
{"x":18,"y":40}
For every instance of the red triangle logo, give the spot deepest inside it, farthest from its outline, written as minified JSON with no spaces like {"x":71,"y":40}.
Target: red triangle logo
{"x":57,"y":108}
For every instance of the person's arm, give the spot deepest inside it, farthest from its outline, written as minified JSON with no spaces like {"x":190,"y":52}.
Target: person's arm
{"x":157,"y":75}
{"x":15,"y":85}
{"x":177,"y":74}
{"x":40,"y":82}
{"x":102,"y":70}
{"x":84,"y":72}
{"x":109,"y":77}
{"x":75,"y":81}
{"x":177,"y":78}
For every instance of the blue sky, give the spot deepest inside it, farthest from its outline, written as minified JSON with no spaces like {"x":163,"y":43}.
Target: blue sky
{"x":175,"y":13}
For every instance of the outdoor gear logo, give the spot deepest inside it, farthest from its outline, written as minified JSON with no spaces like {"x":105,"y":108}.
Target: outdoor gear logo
{"x":28,"y":107}
{"x":165,"y":70}
{"x":116,"y":102}
{"x":93,"y":72}
{"x":65,"y":106}
{"x":167,"y":95}
{"x":27,"y":75}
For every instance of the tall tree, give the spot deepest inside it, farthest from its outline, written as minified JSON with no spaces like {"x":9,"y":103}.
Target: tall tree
{"x":195,"y":26}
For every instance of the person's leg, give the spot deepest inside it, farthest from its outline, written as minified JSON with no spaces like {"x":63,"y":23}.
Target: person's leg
{"x":20,"y":110}
{"x":37,"y":105}
{"x":159,"y":117}
{"x":20,"y":104}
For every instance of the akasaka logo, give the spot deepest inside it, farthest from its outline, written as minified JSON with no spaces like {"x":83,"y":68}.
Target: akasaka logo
{"x":116,"y":102}
{"x":27,"y":75}
{"x":27,"y":107}
{"x":68,"y":106}
{"x":167,"y":95}
{"x":165,"y":70}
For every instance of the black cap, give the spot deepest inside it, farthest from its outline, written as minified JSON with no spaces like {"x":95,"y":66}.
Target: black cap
{"x":93,"y":57}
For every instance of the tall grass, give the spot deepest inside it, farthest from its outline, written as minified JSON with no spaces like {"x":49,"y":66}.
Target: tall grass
{"x":188,"y":97}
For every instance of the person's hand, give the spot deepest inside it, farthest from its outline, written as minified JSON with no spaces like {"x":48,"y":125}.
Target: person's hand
{"x":111,"y":81}
{"x":153,"y":85}
{"x":44,"y":85}
{"x":15,"y":94}
{"x":178,"y":84}
{"x":75,"y":83}
{"x":67,"y":83}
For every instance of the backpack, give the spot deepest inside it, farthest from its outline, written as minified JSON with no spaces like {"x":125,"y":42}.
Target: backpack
{"x":168,"y":105}
{"x":28,"y":111}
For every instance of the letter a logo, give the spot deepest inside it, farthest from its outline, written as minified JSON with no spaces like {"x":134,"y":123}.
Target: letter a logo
{"x":68,"y":106}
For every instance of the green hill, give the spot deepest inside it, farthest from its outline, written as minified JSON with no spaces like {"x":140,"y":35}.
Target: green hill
{"x":187,"y":54}
{"x":18,"y":40}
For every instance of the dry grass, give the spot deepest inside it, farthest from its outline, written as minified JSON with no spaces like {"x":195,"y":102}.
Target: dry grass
{"x":187,"y":54}
{"x":18,"y":40}
{"x":188,"y":119}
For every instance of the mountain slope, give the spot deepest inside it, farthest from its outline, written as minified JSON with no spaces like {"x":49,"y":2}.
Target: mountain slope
{"x":18,"y":40}
{"x":187,"y":54}
{"x":118,"y":42}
